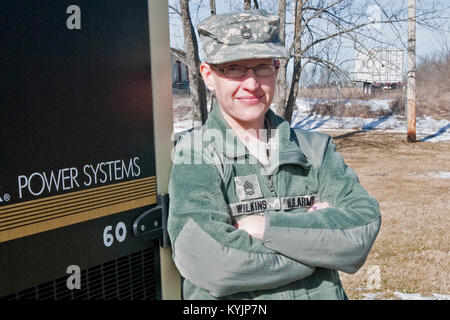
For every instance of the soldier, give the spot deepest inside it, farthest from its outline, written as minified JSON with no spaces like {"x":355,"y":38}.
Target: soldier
{"x":272,"y":212}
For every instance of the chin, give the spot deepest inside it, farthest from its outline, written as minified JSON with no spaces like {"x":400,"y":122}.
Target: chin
{"x":251,"y":116}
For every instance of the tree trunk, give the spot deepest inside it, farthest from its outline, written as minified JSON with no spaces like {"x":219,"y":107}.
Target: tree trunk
{"x":196,"y":85}
{"x":212,"y":5}
{"x":248,"y":4}
{"x":280,"y":103}
{"x":297,"y":62}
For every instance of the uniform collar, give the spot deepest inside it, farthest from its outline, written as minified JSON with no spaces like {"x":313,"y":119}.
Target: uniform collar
{"x":232,"y":147}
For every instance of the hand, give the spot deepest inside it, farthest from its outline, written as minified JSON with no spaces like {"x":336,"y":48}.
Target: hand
{"x":253,"y":225}
{"x":319,"y":205}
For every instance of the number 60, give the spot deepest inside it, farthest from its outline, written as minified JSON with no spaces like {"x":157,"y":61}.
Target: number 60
{"x":120,"y":231}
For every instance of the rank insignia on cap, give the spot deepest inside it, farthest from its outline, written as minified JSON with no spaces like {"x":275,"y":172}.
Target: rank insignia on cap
{"x":247,"y":187}
{"x":246,"y":33}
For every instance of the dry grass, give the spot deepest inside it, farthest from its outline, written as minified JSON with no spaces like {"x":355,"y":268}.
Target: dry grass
{"x":430,"y":101}
{"x":350,"y":102}
{"x":349,"y":93}
{"x":350,"y":108}
{"x":433,"y":82}
{"x":412,"y":250}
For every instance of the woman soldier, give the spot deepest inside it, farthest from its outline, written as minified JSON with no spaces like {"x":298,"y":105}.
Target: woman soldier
{"x":259,"y":210}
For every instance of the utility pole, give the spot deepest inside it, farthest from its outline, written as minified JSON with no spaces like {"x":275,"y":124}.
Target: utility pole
{"x":411,"y":79}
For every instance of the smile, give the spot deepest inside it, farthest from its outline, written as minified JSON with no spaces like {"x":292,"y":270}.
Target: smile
{"x":250,"y":99}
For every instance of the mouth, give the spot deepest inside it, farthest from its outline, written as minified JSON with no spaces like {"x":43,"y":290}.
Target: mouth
{"x":250,"y":99}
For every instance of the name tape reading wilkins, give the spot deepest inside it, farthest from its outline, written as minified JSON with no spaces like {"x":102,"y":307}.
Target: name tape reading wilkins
{"x":260,"y":205}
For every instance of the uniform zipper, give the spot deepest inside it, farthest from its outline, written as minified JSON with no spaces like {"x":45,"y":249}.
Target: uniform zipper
{"x":269,"y":179}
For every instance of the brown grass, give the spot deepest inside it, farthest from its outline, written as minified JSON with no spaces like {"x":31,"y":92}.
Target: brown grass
{"x":352,"y":109}
{"x":435,"y":104}
{"x":348,"y":103}
{"x":350,"y":93}
{"x":412,"y":250}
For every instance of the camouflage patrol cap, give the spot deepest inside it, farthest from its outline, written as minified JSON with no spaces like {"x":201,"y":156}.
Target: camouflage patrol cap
{"x":249,"y":34}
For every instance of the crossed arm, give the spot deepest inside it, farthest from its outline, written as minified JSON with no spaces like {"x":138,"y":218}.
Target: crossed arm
{"x":256,"y":224}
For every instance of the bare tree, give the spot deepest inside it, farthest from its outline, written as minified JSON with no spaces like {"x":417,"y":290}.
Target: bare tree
{"x":322,"y":28}
{"x":280,"y":103}
{"x":297,"y":59}
{"x":196,"y":85}
{"x":317,"y":32}
{"x":248,"y":4}
{"x":212,"y":5}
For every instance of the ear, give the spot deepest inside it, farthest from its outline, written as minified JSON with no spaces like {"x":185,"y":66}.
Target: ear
{"x":208,"y":76}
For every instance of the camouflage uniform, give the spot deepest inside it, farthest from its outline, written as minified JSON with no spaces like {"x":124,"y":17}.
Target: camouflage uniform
{"x":215,"y":181}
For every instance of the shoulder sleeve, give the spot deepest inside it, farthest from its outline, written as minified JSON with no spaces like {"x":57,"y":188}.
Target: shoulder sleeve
{"x":339,"y":237}
{"x":207,"y":249}
{"x":313,"y":145}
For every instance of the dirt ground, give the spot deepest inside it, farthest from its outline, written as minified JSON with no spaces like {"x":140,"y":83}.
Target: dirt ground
{"x":412,"y":184}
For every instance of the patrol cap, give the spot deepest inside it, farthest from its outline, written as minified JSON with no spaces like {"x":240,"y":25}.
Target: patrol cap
{"x":249,"y":34}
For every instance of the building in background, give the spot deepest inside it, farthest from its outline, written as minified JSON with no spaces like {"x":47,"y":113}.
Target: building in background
{"x":180,"y":78}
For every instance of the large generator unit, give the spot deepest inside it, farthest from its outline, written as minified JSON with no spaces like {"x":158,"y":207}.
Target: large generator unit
{"x":85,"y":141}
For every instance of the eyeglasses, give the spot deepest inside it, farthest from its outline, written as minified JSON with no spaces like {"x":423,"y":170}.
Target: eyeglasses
{"x":237,"y":71}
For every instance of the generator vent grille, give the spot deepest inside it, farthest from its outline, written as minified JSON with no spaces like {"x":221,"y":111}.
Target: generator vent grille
{"x":132,"y":277}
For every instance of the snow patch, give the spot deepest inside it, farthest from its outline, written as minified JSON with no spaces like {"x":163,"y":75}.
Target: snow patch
{"x":442,"y":175}
{"x":427,"y":129}
{"x":404,"y":296}
{"x":417,"y":296}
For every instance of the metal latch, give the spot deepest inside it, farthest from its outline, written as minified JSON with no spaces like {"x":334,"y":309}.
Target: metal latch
{"x":152,"y":224}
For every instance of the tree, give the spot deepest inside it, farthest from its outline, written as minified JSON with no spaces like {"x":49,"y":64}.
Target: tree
{"x":212,"y":5}
{"x":280,"y":102}
{"x":323,"y":28}
{"x":317,"y":34}
{"x":196,"y":85}
{"x":248,"y":4}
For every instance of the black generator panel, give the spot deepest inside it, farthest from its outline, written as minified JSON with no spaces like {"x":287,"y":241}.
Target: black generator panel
{"x":77,"y":155}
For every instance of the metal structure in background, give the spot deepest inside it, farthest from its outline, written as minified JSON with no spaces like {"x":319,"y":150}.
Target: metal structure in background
{"x":378,"y":69}
{"x":86,"y":123}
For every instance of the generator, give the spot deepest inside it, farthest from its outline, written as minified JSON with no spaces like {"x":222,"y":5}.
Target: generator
{"x":85,"y":143}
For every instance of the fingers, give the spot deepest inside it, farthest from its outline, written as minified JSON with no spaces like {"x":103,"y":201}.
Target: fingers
{"x":318,"y":206}
{"x":253,"y":225}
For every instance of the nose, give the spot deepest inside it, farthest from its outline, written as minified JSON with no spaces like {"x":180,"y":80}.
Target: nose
{"x":250,"y":82}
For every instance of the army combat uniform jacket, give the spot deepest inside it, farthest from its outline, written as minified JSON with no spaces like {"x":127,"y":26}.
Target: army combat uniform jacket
{"x":215,"y":181}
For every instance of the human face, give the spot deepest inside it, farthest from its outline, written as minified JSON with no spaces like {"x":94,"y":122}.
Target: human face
{"x":243,"y":101}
